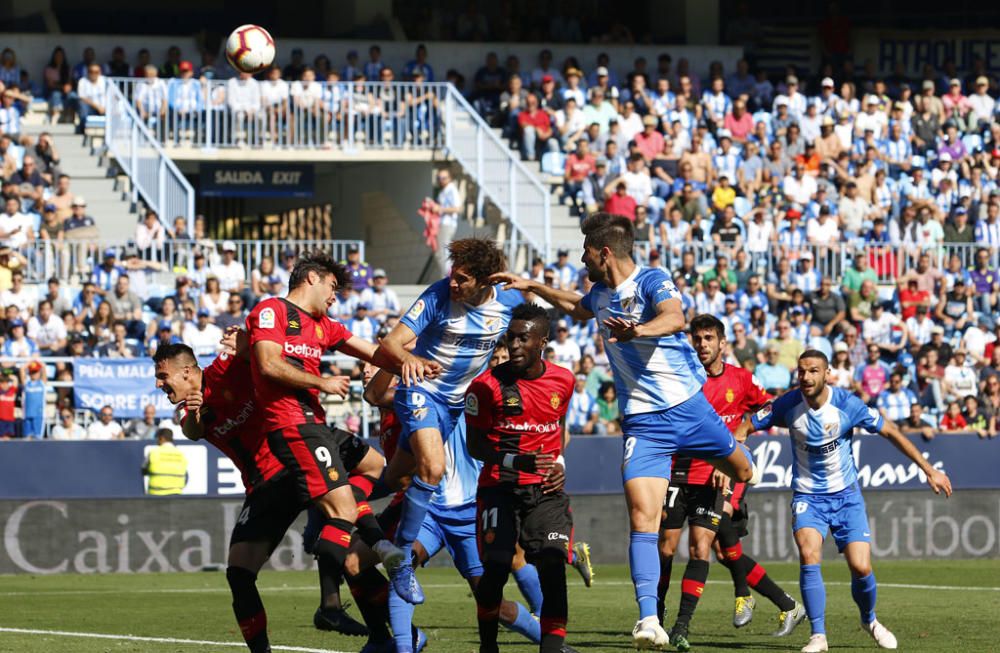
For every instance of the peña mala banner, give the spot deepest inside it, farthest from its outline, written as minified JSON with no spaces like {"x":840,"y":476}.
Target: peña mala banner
{"x":128,"y":386}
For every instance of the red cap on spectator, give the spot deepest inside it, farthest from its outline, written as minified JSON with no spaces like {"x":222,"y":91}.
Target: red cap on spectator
{"x":995,"y":154}
{"x":793,"y":213}
{"x":34,"y":366}
{"x":547,"y":78}
{"x":185,"y":66}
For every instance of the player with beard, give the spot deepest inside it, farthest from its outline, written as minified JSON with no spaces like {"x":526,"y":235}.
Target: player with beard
{"x":697,"y":495}
{"x":220,"y":407}
{"x":826,"y":497}
{"x":658,"y":381}
{"x":515,"y":415}
{"x":288,"y":337}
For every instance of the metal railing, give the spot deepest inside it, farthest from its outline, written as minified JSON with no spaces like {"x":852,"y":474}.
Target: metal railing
{"x":79,"y":258}
{"x":153,"y":175}
{"x":238,"y":114}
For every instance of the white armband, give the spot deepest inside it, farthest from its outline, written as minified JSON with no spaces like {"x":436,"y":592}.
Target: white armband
{"x":508,"y":461}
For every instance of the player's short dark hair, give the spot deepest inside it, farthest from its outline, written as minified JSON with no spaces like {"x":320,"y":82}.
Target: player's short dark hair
{"x":707,"y":322}
{"x":608,"y":230}
{"x":480,"y":257}
{"x":173,"y":351}
{"x":322,"y":264}
{"x":815,"y":353}
{"x":532,"y":313}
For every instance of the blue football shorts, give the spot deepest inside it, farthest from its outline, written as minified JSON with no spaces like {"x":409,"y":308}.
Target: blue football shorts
{"x":453,"y":529}
{"x":841,"y":513}
{"x":418,"y":410}
{"x":692,"y":428}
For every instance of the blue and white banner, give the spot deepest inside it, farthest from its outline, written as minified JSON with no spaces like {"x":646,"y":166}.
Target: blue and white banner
{"x":110,"y":470}
{"x":128,"y":386}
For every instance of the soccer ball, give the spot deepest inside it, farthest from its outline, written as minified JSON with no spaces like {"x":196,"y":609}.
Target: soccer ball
{"x":250,"y":49}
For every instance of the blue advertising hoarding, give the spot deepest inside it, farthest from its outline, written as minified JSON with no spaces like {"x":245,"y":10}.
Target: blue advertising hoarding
{"x":127,"y":385}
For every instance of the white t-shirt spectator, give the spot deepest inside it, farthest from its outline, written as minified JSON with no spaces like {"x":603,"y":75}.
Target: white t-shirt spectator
{"x":975,"y":339}
{"x":98,"y":430}
{"x":74,"y":432}
{"x":380,"y":301}
{"x":22,"y":299}
{"x":919,"y":329}
{"x":308,"y":94}
{"x":879,"y":331}
{"x":800,"y":189}
{"x":821,"y":233}
{"x":449,"y":198}
{"x":94,"y":91}
{"x":962,"y":380}
{"x":567,"y":353}
{"x":638,"y":185}
{"x":171,"y":426}
{"x":274,"y":92}
{"x":231,"y":275}
{"x":9,"y":222}
{"x":204,"y":342}
{"x":759,"y":235}
{"x":48,"y":334}
{"x":243,"y":95}
{"x":853,"y":212}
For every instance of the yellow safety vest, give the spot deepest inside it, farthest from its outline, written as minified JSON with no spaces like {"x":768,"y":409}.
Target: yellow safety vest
{"x":167,"y":470}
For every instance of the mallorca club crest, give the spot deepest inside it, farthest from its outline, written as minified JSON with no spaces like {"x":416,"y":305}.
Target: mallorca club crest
{"x":319,"y":332}
{"x":554,"y":401}
{"x":730,"y":395}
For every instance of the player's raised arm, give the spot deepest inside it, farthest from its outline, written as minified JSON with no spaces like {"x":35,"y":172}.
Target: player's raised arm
{"x":938,"y":480}
{"x":567,"y":300}
{"x":379,"y":391}
{"x":274,"y":367}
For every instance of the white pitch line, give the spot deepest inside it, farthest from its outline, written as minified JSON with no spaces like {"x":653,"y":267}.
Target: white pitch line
{"x":312,"y":588}
{"x":156,"y":640}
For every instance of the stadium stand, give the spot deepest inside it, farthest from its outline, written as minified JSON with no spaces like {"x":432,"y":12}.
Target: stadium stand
{"x":840,"y":211}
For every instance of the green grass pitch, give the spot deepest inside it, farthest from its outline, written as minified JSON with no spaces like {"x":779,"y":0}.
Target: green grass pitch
{"x":960,"y":617}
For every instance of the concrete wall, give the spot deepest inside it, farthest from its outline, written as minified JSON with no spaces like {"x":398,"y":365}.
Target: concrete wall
{"x":143,"y":535}
{"x":33,"y":51}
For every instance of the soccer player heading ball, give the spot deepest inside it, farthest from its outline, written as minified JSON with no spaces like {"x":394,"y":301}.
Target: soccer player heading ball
{"x":515,"y":415}
{"x":658,"y":380}
{"x":821,"y":420}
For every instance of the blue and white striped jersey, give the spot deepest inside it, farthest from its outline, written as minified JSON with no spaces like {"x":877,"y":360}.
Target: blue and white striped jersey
{"x":821,"y":438}
{"x":459,"y":336}
{"x":651,"y":374}
{"x":581,"y":407}
{"x":461,"y":473}
{"x":896,"y":404}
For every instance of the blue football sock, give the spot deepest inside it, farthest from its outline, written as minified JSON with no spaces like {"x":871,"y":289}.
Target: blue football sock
{"x":644,"y":561}
{"x":401,"y":618}
{"x":525,"y":625}
{"x":864,"y":591}
{"x":415,"y":503}
{"x":531,"y":589}
{"x":814,"y":596}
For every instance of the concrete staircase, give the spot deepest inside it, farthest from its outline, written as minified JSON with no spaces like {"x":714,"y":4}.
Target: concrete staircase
{"x":107,"y":202}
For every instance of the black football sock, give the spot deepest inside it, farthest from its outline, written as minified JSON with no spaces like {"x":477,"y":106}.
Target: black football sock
{"x":732,"y":552}
{"x":365,"y":521}
{"x":552,"y":576}
{"x":692,"y":586}
{"x":666,"y":566}
{"x":759,"y":580}
{"x":248,"y":608}
{"x":489,"y":593}
{"x":370,"y":590}
{"x":329,"y":583}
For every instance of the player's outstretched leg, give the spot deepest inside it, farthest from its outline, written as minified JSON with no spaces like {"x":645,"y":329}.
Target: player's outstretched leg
{"x":248,"y":608}
{"x":645,"y":471}
{"x":864,"y":591}
{"x":552,"y":574}
{"x":526,"y":577}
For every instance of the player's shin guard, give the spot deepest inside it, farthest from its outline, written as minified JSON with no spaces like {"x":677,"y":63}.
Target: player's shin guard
{"x":401,"y":620}
{"x":643,"y":560}
{"x":334,"y":538}
{"x":813,"y":596}
{"x":365,"y":521}
{"x":692,"y":586}
{"x":248,"y":608}
{"x":666,"y":567}
{"x":552,"y":575}
{"x":527,"y":581}
{"x":864,"y":592}
{"x":329,"y":582}
{"x":732,"y":554}
{"x":489,"y":594}
{"x":370,"y":590}
{"x":415,"y":503}
{"x":524,"y":624}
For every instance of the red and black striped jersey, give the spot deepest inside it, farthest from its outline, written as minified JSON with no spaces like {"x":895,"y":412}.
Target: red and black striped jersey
{"x":232,"y":422}
{"x":304,"y":339}
{"x":732,"y":394}
{"x":519,"y":415}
